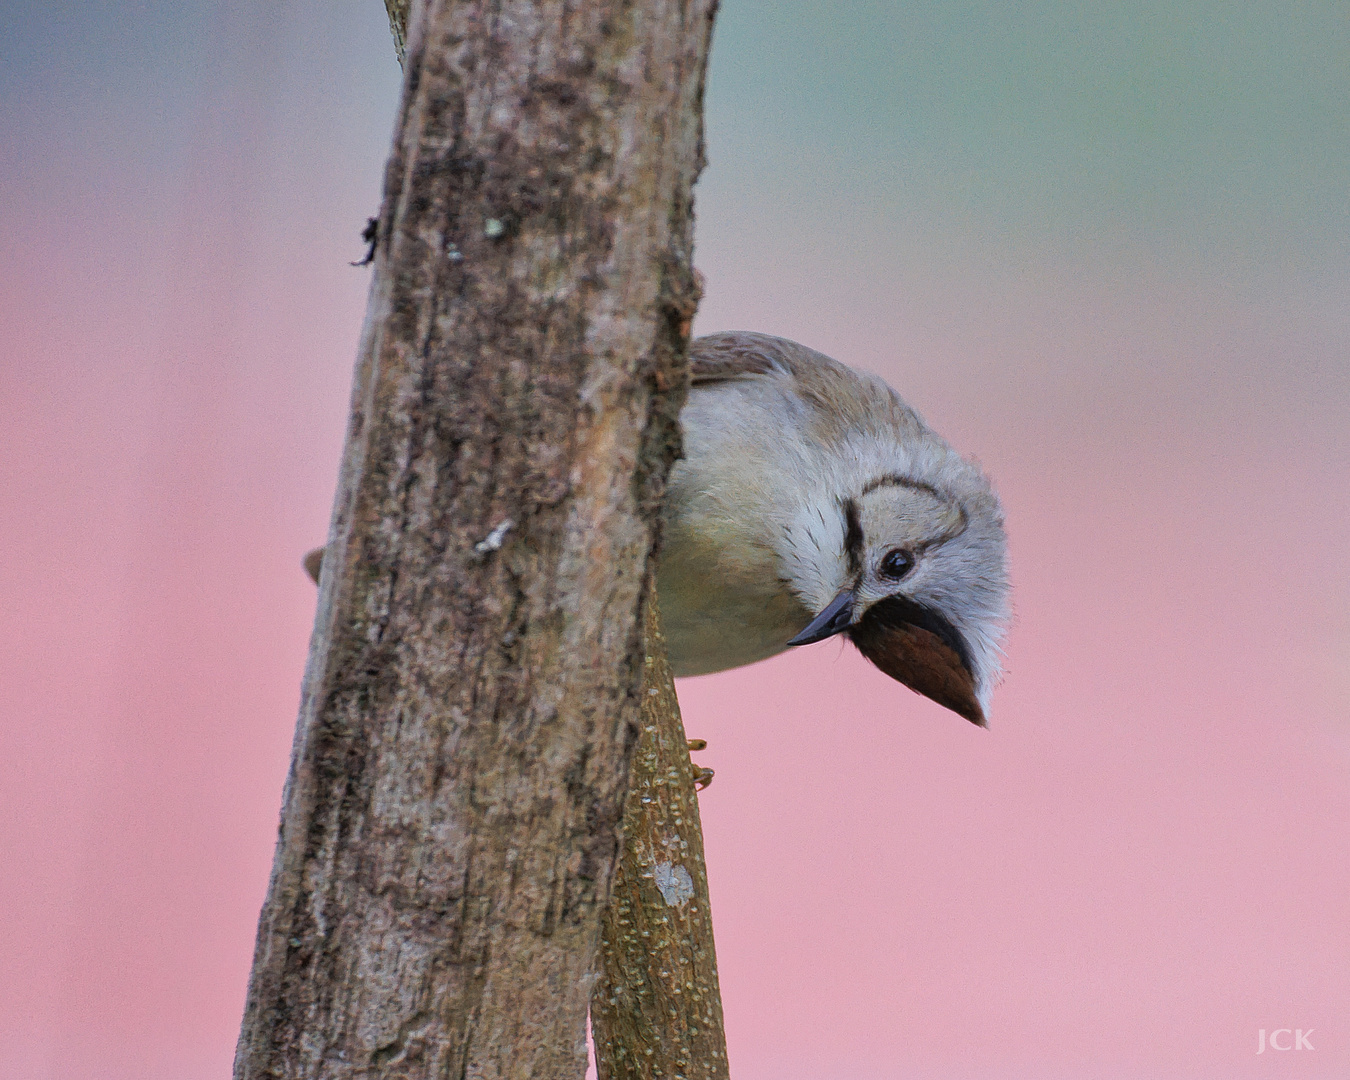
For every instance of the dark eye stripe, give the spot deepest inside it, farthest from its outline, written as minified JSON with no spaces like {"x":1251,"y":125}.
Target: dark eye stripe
{"x":853,"y":536}
{"x":896,"y":480}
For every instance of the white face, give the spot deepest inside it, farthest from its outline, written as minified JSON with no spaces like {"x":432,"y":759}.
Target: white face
{"x":901,"y":530}
{"x":906,"y":539}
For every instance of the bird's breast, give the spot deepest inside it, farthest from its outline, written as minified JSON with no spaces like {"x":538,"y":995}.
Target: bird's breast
{"x":724,"y":600}
{"x":713,"y":624}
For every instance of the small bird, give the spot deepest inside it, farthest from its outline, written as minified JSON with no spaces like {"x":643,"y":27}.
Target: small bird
{"x":812,"y":501}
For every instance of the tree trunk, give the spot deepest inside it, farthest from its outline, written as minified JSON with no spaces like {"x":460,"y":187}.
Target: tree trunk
{"x":450,"y":821}
{"x":657,"y":1011}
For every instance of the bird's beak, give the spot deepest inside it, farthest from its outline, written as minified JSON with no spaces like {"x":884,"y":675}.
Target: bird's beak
{"x":835,"y":619}
{"x":917,"y":646}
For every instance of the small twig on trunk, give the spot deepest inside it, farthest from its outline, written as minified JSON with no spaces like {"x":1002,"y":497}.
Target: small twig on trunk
{"x":398,"y":26}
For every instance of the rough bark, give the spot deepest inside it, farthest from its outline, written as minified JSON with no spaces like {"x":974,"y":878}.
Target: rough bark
{"x":657,"y":1011}
{"x":657,"y":1008}
{"x":450,"y":820}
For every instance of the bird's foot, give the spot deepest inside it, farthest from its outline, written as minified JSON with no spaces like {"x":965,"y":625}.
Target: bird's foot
{"x":702,"y":777}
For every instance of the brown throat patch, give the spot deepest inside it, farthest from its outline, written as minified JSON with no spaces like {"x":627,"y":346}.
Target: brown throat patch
{"x":923,"y":662}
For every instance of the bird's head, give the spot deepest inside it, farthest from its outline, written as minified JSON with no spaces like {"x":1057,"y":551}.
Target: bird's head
{"x":911,"y":564}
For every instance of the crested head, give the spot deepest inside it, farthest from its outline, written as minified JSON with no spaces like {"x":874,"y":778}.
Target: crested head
{"x":905,"y":539}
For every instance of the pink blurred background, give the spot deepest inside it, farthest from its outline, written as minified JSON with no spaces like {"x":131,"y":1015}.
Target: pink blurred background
{"x":1105,"y":253}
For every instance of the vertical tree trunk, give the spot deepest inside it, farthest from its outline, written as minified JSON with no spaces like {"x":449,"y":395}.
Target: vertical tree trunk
{"x":450,"y":821}
{"x":657,"y":1011}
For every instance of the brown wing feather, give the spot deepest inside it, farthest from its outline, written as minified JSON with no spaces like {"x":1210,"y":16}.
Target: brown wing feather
{"x":843,"y":399}
{"x":732,"y":354}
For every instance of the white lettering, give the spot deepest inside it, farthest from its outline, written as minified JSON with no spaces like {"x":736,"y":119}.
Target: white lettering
{"x":1301,"y":1039}
{"x":1280,"y":1031}
{"x":1261,"y":1044}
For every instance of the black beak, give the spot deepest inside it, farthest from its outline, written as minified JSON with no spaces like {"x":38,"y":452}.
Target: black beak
{"x":835,"y":619}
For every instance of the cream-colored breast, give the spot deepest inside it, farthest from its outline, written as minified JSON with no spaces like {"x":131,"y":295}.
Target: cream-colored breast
{"x":724,"y":598}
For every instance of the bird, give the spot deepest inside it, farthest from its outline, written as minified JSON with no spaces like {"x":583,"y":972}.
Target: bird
{"x":811,"y":501}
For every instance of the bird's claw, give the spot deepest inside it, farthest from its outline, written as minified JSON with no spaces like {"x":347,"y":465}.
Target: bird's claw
{"x":702,"y":777}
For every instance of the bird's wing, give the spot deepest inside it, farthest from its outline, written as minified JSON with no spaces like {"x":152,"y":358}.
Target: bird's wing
{"x":736,"y":354}
{"x":840,"y":399}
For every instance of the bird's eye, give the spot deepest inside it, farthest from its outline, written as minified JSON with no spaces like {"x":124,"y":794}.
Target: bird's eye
{"x":896,"y":564}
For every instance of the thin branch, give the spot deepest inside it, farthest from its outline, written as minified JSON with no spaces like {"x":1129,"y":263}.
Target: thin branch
{"x":657,"y":1011}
